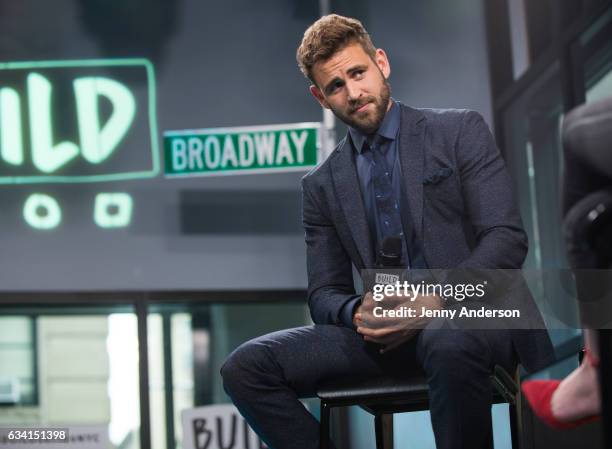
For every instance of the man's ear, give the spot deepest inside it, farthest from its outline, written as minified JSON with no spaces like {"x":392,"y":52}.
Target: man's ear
{"x":382,"y":62}
{"x":316,"y":92}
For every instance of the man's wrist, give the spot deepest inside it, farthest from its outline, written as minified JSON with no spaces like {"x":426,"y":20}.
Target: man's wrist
{"x":348,"y":311}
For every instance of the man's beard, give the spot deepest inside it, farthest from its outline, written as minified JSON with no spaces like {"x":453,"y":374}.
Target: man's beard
{"x":370,"y":122}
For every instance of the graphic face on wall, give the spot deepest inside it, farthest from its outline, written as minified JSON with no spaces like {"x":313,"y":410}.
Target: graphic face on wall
{"x":77,"y":122}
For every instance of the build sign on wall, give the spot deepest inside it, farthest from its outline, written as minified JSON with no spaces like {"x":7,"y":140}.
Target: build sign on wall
{"x":80,"y":121}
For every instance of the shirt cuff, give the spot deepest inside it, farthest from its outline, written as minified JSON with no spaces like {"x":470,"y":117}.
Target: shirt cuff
{"x":347,"y":311}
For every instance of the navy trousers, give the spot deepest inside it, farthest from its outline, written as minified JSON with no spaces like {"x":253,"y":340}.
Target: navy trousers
{"x":266,"y":377}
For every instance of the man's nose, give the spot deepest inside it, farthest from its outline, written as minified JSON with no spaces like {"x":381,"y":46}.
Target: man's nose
{"x":353,"y":90}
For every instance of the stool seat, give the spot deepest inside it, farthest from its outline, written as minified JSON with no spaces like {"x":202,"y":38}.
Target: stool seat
{"x":371,"y":391}
{"x":386,"y":395}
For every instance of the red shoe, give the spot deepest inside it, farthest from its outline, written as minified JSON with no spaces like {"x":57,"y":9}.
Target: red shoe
{"x":539,"y":395}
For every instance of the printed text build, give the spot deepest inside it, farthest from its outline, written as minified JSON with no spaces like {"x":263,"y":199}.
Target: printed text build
{"x":77,"y":121}
{"x":241,"y":150}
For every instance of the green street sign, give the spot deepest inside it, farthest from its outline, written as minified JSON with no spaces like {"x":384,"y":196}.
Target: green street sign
{"x":253,"y":149}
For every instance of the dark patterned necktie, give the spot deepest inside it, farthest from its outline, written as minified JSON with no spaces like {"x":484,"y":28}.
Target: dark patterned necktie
{"x":389,"y":219}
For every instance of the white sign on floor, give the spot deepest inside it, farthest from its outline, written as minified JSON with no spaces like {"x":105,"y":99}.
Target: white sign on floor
{"x":218,"y":427}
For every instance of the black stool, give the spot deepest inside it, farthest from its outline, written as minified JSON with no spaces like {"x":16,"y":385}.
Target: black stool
{"x":386,"y":396}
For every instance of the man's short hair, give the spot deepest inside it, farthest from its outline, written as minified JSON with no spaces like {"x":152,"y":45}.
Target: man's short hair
{"x":327,"y":36}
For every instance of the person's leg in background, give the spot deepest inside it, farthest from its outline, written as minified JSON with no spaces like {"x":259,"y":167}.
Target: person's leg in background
{"x":587,"y":180}
{"x":578,"y":394}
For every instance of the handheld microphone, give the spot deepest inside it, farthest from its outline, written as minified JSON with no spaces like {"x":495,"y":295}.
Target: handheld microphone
{"x":390,"y":255}
{"x":388,"y":261}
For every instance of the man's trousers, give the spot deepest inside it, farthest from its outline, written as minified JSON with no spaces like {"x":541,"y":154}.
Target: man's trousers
{"x":266,"y":377}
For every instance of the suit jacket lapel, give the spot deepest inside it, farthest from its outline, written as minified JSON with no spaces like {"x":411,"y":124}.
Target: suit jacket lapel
{"x":412,"y":135}
{"x":346,"y":184}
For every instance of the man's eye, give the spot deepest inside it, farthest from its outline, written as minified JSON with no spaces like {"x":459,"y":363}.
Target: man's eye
{"x":334,"y":87}
{"x":359,"y":74}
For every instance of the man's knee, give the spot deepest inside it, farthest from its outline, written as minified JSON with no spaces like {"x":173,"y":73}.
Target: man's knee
{"x":240,"y":366}
{"x":453,"y":352}
{"x":246,"y":365}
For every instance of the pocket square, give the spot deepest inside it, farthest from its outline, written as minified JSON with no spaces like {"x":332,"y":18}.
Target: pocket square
{"x":438,"y":175}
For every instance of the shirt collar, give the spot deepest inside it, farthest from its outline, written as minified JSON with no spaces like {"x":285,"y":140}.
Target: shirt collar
{"x":387,"y":129}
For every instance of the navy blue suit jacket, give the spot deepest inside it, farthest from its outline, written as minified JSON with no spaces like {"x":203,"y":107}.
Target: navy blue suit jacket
{"x":460,"y":198}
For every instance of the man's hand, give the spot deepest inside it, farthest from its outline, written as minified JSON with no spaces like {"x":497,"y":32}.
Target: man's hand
{"x":390,"y":331}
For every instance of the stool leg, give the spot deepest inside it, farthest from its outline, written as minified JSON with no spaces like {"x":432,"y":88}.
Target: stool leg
{"x":513,"y":427}
{"x":324,"y":426}
{"x":490,"y":441}
{"x":387,"y":422}
{"x":378,"y":431}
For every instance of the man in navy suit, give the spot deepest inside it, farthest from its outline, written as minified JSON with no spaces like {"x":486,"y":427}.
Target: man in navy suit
{"x":435,"y":179}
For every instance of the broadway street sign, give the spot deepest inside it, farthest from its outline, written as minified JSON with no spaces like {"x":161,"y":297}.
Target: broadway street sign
{"x":253,"y":149}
